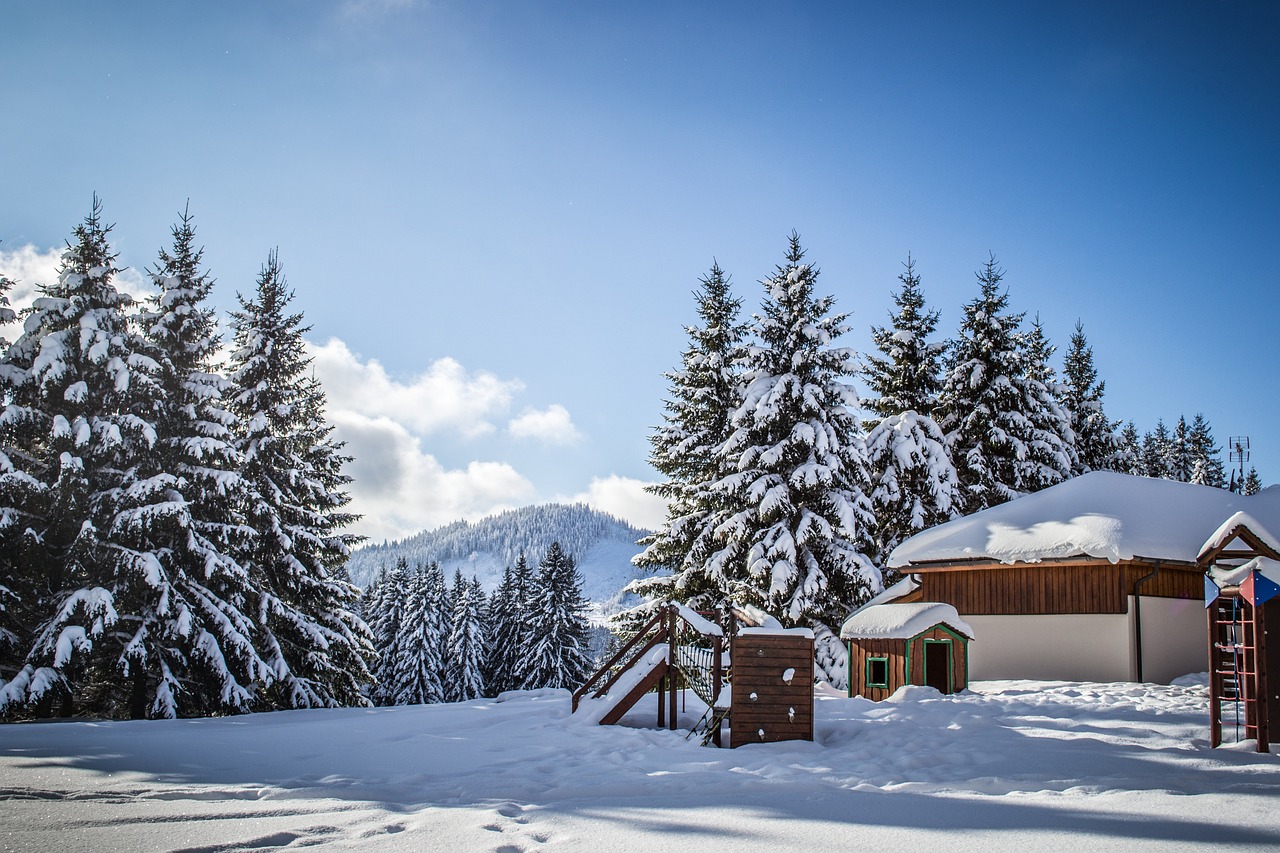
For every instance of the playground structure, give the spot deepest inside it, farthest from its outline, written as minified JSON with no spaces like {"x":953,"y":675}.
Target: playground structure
{"x":755,"y":679}
{"x":1241,"y":600}
{"x":893,"y":645}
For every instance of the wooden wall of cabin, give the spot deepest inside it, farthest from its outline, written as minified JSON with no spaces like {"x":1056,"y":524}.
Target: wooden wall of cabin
{"x":766,"y":708}
{"x":959,"y":650}
{"x":859,"y":652}
{"x":1055,"y":588}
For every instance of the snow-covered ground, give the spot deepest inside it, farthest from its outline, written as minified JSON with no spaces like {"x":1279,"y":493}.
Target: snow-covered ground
{"x":1010,"y":765}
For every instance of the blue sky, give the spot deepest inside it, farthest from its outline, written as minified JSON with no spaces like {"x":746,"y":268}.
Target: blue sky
{"x":494,"y":214}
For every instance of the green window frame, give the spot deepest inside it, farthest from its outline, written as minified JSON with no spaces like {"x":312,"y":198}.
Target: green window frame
{"x":874,"y":678}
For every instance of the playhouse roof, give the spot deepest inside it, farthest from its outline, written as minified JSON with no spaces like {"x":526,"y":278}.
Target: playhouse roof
{"x":1102,"y":514}
{"x":902,"y":621}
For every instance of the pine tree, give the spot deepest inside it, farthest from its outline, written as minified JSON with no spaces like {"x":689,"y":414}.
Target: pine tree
{"x":1045,"y":411}
{"x":467,"y":645}
{"x":12,"y":631}
{"x":316,"y":645}
{"x":420,"y":669}
{"x":387,"y":618}
{"x":1252,"y":482}
{"x":1179,"y":463}
{"x":1129,"y":454}
{"x":558,"y":653}
{"x":509,"y":631}
{"x":1206,"y":463}
{"x":994,"y":415}
{"x":906,"y":377}
{"x":1156,"y":450}
{"x":704,"y":394}
{"x":913,"y":482}
{"x":1096,"y":443}
{"x":795,"y":537}
{"x":138,"y":611}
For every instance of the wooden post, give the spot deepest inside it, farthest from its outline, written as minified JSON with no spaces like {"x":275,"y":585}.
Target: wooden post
{"x":672,"y":670}
{"x":1215,"y":678}
{"x":717,"y":675}
{"x":1260,"y":677}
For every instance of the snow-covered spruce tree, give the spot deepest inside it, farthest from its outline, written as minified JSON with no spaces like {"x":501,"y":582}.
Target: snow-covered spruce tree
{"x":1047,"y":414}
{"x":704,"y":394}
{"x":558,"y":653}
{"x":1252,"y":482}
{"x":508,"y":629}
{"x":906,"y":375}
{"x":136,"y":612}
{"x":386,"y":620}
{"x":466,"y":645}
{"x":795,"y":537}
{"x":1179,"y":463}
{"x":1129,"y":450}
{"x":419,"y":671}
{"x":1155,"y":451}
{"x":1097,"y":445}
{"x":307,"y":629}
{"x":1206,"y":463}
{"x":12,"y":632}
{"x":913,"y":483}
{"x":992,"y":412}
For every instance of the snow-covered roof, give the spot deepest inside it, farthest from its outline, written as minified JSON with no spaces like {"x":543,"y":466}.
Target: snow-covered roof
{"x":1220,"y":536}
{"x":1225,"y":576}
{"x":1102,"y":514}
{"x":902,"y":621}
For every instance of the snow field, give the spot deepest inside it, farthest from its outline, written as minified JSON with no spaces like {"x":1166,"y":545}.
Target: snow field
{"x":1007,"y":765}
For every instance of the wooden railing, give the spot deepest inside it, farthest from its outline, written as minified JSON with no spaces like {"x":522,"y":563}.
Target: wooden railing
{"x":698,"y":660}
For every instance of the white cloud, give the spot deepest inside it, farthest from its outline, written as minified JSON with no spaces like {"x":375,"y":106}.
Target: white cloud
{"x":28,"y":267}
{"x":445,"y":397}
{"x":626,"y":498}
{"x":552,"y":425}
{"x":399,"y":489}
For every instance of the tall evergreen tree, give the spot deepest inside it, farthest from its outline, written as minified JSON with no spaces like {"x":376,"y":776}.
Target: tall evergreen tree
{"x":1206,"y":463}
{"x":704,"y":394}
{"x":385,"y":631}
{"x":992,"y":412}
{"x":906,"y":375}
{"x":1252,"y":482}
{"x":11,"y":574}
{"x":1179,"y":463}
{"x":1129,"y":454}
{"x":466,"y":645}
{"x":795,"y":537}
{"x":137,"y":611}
{"x":912,"y":481}
{"x":510,"y":613}
{"x":1156,"y":450}
{"x":558,"y":653}
{"x":1096,"y":444}
{"x":420,"y":653}
{"x":316,"y":645}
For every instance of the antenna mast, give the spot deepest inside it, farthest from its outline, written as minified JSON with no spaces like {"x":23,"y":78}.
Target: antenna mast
{"x":1238,"y":452}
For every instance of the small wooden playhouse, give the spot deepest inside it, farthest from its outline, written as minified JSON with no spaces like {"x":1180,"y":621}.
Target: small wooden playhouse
{"x":892,"y":645}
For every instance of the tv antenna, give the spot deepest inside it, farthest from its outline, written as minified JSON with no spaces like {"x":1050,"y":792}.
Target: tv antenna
{"x":1238,"y":452}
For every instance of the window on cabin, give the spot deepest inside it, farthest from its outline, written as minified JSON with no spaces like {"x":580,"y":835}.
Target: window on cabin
{"x":877,"y":672}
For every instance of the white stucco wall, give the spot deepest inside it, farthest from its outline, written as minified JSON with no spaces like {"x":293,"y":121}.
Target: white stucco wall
{"x":1091,"y":647}
{"x":1059,"y":647}
{"x":1175,"y":638}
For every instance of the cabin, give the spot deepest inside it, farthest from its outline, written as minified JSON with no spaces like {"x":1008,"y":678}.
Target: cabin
{"x":1242,"y":598}
{"x":892,"y":645}
{"x":1098,"y":578}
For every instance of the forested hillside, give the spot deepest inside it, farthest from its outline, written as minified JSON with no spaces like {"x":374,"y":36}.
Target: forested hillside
{"x":601,"y":544}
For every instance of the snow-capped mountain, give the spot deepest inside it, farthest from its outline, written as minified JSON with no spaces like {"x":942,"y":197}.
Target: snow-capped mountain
{"x":601,"y":544}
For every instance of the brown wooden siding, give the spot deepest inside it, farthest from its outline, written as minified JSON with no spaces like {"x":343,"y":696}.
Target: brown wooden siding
{"x":1054,"y":588}
{"x":861,"y":650}
{"x":766,"y":708}
{"x":959,"y":650}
